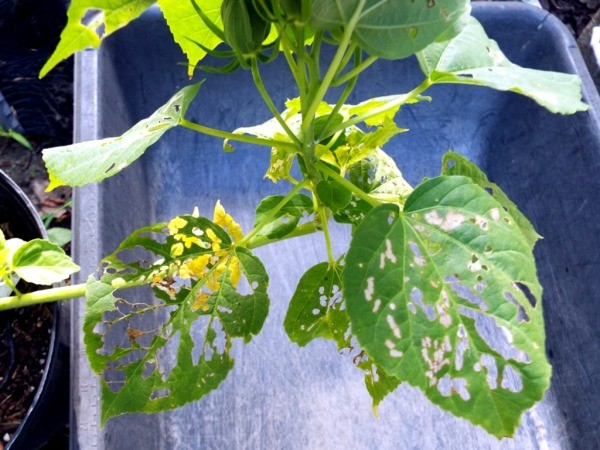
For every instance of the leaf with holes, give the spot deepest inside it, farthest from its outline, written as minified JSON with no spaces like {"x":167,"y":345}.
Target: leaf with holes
{"x":188,"y":28}
{"x":377,"y":175}
{"x":105,"y":17}
{"x":286,"y":219}
{"x":159,"y":352}
{"x":473,"y":58}
{"x":455,"y":164}
{"x":315,"y":309}
{"x":389,"y":29}
{"x":444,"y":295}
{"x":93,"y":161}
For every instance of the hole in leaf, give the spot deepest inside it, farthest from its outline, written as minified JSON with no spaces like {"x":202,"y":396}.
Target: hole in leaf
{"x":450,"y":163}
{"x":160,"y":393}
{"x":530,"y":297}
{"x":115,"y":379}
{"x":167,"y":356}
{"x":497,"y":337}
{"x":198,"y":330}
{"x":489,"y":190}
{"x":511,"y":379}
{"x":521,"y":313}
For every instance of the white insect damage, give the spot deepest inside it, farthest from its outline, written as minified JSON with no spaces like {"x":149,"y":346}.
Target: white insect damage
{"x":438,"y":359}
{"x":449,"y":222}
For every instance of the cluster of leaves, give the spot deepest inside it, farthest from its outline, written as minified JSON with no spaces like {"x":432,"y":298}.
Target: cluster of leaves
{"x":438,"y":288}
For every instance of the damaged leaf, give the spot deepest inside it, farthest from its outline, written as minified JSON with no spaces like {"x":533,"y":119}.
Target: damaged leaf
{"x":444,"y":295}
{"x":456,"y":164}
{"x":93,"y":161}
{"x":473,"y":58}
{"x":157,"y":352}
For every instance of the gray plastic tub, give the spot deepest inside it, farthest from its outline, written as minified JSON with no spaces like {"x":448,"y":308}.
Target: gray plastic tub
{"x":280,"y":396}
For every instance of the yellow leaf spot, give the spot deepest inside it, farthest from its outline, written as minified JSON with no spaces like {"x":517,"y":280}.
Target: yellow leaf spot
{"x":226,"y":221}
{"x":201,"y":299}
{"x":177,"y":250}
{"x":176,"y":224}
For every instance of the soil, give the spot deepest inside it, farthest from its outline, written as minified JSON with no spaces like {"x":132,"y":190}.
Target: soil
{"x":24,"y":344}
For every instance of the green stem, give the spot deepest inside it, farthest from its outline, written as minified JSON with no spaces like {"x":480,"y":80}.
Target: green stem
{"x":43,"y":296}
{"x":402,"y":99}
{"x":300,"y":230}
{"x":354,"y":72}
{"x":236,"y":137}
{"x":341,"y":180}
{"x":333,"y":67}
{"x":323,"y":217}
{"x":273,"y":213}
{"x":269,"y":102}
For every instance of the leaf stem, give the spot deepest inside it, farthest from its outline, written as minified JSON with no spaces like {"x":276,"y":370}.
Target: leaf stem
{"x":273,"y":212}
{"x":323,"y":217}
{"x":402,"y":99}
{"x":300,"y":230}
{"x":269,"y":102}
{"x":355,"y":71}
{"x":43,"y":296}
{"x":236,"y":137}
{"x":347,"y":184}
{"x":333,"y":67}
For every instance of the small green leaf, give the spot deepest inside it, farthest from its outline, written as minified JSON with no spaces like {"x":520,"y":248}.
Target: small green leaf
{"x":390,"y":29}
{"x":188,"y":28}
{"x":59,"y":235}
{"x":473,"y":58}
{"x":378,"y":383}
{"x":107,"y":16}
{"x":314,"y":310}
{"x":41,"y":262}
{"x":286,"y":219}
{"x":444,"y":295}
{"x":155,"y":354}
{"x":333,"y":195}
{"x":456,"y":164}
{"x":93,"y":161}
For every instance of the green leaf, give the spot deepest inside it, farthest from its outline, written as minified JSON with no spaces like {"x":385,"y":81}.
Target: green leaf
{"x":106,"y":17}
{"x":188,"y":28}
{"x":333,"y":195}
{"x":59,"y":235}
{"x":456,"y":164}
{"x":93,"y":161}
{"x":42,"y":262}
{"x":315,"y":309}
{"x":378,"y":383}
{"x":445,"y":296}
{"x":390,"y":29}
{"x":473,"y":58}
{"x":155,"y":354}
{"x":286,"y":219}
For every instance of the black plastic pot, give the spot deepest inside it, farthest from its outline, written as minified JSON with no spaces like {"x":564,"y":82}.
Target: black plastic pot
{"x":48,"y":412}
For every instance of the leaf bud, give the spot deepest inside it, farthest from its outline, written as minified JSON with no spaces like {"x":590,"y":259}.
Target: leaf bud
{"x":244,"y":29}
